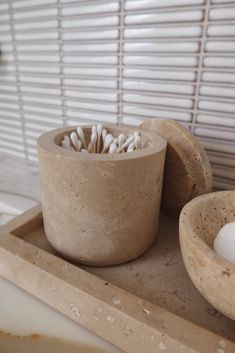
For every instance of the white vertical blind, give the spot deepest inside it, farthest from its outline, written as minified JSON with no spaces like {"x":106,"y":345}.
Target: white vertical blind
{"x":119,"y":61}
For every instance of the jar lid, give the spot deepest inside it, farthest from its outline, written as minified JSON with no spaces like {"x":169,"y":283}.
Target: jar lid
{"x":187,"y":168}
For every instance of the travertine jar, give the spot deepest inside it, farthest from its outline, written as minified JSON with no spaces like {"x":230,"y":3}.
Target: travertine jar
{"x":101,"y":209}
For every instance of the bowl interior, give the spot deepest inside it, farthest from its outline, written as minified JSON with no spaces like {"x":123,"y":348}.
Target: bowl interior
{"x":210,"y":213}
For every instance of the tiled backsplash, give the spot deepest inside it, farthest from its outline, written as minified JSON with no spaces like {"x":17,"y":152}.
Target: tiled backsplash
{"x":120,"y":61}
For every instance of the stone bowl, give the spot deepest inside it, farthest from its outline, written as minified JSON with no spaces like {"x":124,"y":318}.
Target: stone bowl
{"x":200,"y":221}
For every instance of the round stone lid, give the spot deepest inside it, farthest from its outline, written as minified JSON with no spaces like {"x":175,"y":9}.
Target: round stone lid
{"x":187,"y":168}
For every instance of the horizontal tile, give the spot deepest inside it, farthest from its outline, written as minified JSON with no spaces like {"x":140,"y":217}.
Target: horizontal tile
{"x":91,"y":22}
{"x":40,"y":79}
{"x":111,"y":108}
{"x":216,"y":120}
{"x":217,"y":91}
{"x":40,"y":90}
{"x":91,"y":71}
{"x":37,"y":47}
{"x":48,"y":35}
{"x":40,"y":109}
{"x":128,"y":120}
{"x":109,"y":118}
{"x":46,"y":69}
{"x":220,"y":62}
{"x":104,"y":96}
{"x":218,"y":145}
{"x":26,"y":98}
{"x":169,"y":47}
{"x":156,"y":113}
{"x":112,"y":6}
{"x":220,"y":46}
{"x":221,"y":77}
{"x":91,"y":83}
{"x":141,"y":5}
{"x":42,"y":118}
{"x":160,"y":74}
{"x":88,"y":59}
{"x":36,"y":25}
{"x":4,"y":7}
{"x":164,"y":17}
{"x":215,"y":133}
{"x":218,"y":106}
{"x":222,"y":14}
{"x":91,"y":35}
{"x":30,"y":3}
{"x":158,"y":101}
{"x":158,"y":87}
{"x":104,"y":47}
{"x":174,"y":61}
{"x":36,"y":13}
{"x":163,"y":32}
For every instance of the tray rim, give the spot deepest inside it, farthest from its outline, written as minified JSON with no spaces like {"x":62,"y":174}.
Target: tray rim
{"x":135,"y":325}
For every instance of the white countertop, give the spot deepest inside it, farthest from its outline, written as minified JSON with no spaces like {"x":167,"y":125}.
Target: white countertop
{"x":20,"y":177}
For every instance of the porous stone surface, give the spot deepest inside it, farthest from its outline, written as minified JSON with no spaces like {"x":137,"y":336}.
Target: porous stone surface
{"x":200,"y":221}
{"x":101,"y":209}
{"x":187,"y":169}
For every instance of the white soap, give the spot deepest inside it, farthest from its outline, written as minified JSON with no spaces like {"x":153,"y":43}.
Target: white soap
{"x":224,"y":243}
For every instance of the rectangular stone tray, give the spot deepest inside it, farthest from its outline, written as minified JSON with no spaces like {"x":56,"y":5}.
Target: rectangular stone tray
{"x":147,"y":305}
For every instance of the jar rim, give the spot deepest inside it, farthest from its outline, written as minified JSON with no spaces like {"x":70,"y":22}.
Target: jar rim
{"x":50,"y":141}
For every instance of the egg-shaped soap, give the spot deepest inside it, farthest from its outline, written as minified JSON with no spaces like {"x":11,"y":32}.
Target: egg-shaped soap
{"x":224,"y":243}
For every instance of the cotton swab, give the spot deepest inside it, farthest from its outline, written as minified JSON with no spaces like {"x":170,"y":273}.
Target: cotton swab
{"x":137,"y":141}
{"x":99,"y":133}
{"x":74,"y":139}
{"x":81,"y":135}
{"x":89,"y":147}
{"x":65,"y":145}
{"x":79,"y":145}
{"x":66,"y":142}
{"x":131,"y":147}
{"x":113,"y":148}
{"x":107,"y":142}
{"x":93,"y":129}
{"x":126,"y":144}
{"x":104,"y":134}
{"x":101,"y":141}
{"x":121,"y":139}
{"x":93,"y":142}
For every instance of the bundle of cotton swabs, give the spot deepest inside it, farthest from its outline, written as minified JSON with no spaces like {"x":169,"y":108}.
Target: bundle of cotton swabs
{"x":101,"y":141}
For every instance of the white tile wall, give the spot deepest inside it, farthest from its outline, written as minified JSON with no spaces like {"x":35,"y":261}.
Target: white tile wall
{"x":120,"y":61}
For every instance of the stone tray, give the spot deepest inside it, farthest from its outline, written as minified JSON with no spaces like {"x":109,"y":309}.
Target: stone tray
{"x":147,"y":305}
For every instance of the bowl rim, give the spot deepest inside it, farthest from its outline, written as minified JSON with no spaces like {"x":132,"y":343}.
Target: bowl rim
{"x":47,"y":142}
{"x":201,"y":246}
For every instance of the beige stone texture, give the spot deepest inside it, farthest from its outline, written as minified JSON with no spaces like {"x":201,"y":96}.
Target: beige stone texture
{"x":147,"y":305}
{"x":101,"y":209}
{"x":187,"y":170}
{"x":200,"y":221}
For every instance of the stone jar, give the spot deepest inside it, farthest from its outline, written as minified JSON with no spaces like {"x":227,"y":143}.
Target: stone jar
{"x":101,"y":209}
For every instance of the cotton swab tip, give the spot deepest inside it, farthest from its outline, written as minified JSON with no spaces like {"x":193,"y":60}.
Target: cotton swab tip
{"x":112,"y":148}
{"x":74,"y":139}
{"x":93,"y":129}
{"x":94,"y":138}
{"x":99,"y":129}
